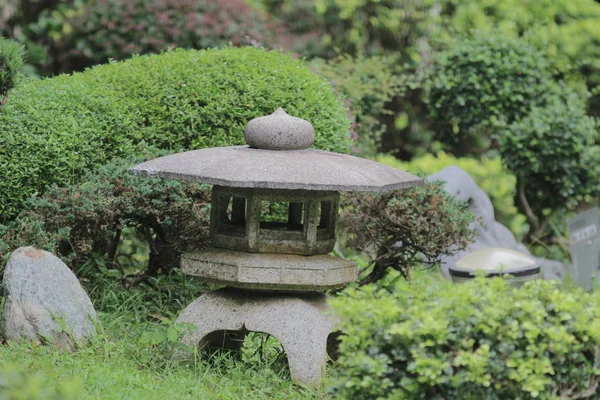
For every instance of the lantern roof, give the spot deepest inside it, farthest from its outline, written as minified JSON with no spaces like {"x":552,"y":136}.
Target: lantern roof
{"x":278,"y":157}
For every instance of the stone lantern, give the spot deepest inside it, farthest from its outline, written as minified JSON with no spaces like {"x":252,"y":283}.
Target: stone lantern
{"x":274,"y":268}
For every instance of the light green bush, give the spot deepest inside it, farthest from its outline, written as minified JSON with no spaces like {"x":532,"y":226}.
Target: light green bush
{"x":488,"y":174}
{"x":481,"y":340}
{"x":17,"y":384}
{"x":52,"y":130}
{"x":567,"y":31}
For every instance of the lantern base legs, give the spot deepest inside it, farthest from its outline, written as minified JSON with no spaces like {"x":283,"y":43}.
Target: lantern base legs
{"x":299,"y":321}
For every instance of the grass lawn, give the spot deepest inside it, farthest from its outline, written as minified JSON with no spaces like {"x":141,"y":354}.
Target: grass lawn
{"x":131,"y":357}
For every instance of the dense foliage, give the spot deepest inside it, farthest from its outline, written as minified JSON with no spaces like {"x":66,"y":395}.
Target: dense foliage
{"x":480,"y":340}
{"x":400,"y":229}
{"x":105,"y":29}
{"x":11,"y":62}
{"x":553,"y":151}
{"x":368,"y":85}
{"x":567,"y":31}
{"x":500,"y":88}
{"x":88,"y":222}
{"x":360,"y":28}
{"x":488,"y":173}
{"x":52,"y":130}
{"x":484,"y":80}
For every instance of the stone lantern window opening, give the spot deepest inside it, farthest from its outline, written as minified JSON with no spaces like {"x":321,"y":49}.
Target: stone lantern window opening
{"x":231,"y":214}
{"x":305,"y":226}
{"x":290,"y":220}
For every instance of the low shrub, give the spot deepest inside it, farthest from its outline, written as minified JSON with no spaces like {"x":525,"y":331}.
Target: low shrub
{"x":489,"y":174}
{"x":401,"y":229}
{"x":86,"y":223}
{"x":479,"y":340}
{"x":53,"y":130}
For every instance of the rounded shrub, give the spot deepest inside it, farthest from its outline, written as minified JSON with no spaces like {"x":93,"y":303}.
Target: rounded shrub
{"x":53,"y":130}
{"x":479,"y":340}
{"x":553,"y":151}
{"x":485,"y":79}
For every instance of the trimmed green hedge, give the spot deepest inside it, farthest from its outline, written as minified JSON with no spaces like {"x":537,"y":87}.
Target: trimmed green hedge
{"x":480,"y":340}
{"x":52,"y":130}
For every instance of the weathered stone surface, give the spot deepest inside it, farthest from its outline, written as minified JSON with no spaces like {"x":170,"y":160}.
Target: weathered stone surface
{"x":269,"y":271}
{"x":278,"y":158}
{"x":243,"y":166}
{"x":488,"y":233}
{"x":40,"y":289}
{"x":237,"y":223}
{"x":279,"y":131}
{"x":299,"y":322}
{"x":494,"y":261}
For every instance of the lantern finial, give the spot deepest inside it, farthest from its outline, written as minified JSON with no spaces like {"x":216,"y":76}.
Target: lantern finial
{"x":279,"y":131}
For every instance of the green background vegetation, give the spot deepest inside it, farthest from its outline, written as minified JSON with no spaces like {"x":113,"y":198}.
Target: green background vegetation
{"x":505,"y":89}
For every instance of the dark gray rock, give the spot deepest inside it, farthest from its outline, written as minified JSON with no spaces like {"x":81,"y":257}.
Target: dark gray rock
{"x":41,"y":290}
{"x":488,"y":232}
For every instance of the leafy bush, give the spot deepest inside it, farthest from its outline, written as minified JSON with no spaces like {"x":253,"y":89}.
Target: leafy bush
{"x":11,"y":62}
{"x":567,"y":31}
{"x":480,"y":340}
{"x":359,"y":28}
{"x":483,"y":80}
{"x":116,"y":29}
{"x":53,"y":130}
{"x":368,"y":85}
{"x":400,"y":229}
{"x":502,"y":88}
{"x":555,"y":156}
{"x":489,"y":174}
{"x":89,"y":220}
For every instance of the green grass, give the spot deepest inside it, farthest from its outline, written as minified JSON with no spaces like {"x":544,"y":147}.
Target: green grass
{"x":131,"y":358}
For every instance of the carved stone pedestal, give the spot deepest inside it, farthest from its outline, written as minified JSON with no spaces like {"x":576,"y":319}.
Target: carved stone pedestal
{"x":299,"y":321}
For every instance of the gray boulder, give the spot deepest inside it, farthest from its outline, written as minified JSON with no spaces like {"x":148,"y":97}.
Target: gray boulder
{"x":488,"y":232}
{"x":45,"y":300}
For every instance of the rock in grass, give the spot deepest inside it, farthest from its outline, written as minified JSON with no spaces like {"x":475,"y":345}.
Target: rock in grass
{"x":44,"y":300}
